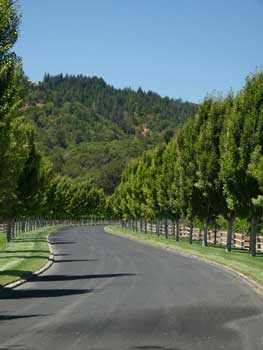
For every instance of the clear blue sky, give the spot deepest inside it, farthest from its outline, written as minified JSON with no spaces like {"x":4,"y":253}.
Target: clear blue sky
{"x":185,"y":48}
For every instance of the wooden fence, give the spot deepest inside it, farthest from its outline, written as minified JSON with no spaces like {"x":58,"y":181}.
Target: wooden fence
{"x":216,"y":237}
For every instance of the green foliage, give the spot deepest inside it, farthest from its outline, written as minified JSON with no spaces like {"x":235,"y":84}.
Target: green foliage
{"x":208,"y":126}
{"x":68,"y":199}
{"x":210,"y":170}
{"x":13,"y":152}
{"x":100,"y":162}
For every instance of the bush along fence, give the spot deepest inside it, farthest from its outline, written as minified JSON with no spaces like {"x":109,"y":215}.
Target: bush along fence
{"x":177,"y":230}
{"x":13,"y":228}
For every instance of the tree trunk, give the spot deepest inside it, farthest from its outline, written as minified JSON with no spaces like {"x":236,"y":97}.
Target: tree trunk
{"x":177,"y":238}
{"x":166,"y":228}
{"x":215,"y":235}
{"x":173,"y":229}
{"x":253,"y":237}
{"x":229,"y":235}
{"x":205,"y":233}
{"x":23,"y":226}
{"x":12,"y":229}
{"x":200,"y":234}
{"x":8,"y":230}
{"x":191,"y":232}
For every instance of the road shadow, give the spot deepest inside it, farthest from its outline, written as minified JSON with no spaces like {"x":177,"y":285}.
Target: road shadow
{"x":73,"y":260}
{"x":15,"y":347}
{"x":62,"y":254}
{"x":41,"y":293}
{"x":152,"y":347}
{"x":56,"y":278}
{"x":16,"y":317}
{"x":62,"y":242}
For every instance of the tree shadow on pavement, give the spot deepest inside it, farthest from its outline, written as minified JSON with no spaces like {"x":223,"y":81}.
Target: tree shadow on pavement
{"x":62,"y":254}
{"x":15,"y":347}
{"x":73,"y":260}
{"x":56,"y":278}
{"x":41,"y":293}
{"x":15,"y":317}
{"x":62,"y":242}
{"x":151,"y":347}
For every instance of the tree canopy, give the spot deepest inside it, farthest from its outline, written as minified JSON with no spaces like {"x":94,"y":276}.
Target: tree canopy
{"x":212,"y":167}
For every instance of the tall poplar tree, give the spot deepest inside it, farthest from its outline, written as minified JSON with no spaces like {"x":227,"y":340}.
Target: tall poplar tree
{"x":209,"y":123}
{"x":187,"y":195}
{"x":10,"y":74}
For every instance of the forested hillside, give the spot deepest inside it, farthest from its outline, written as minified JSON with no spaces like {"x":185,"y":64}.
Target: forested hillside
{"x":91,"y":130}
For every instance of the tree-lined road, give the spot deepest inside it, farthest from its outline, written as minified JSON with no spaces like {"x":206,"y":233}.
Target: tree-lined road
{"x":107,"y":292}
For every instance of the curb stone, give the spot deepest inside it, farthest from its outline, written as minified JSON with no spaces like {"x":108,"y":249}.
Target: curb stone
{"x":15,"y":284}
{"x":250,"y":282}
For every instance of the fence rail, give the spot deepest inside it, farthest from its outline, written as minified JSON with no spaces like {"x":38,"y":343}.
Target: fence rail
{"x":216,"y":237}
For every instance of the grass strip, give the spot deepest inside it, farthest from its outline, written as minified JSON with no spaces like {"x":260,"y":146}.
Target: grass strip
{"x":238,"y":260}
{"x":24,"y":255}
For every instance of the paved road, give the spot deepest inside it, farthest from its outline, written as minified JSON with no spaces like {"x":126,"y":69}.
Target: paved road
{"x":106,"y":292}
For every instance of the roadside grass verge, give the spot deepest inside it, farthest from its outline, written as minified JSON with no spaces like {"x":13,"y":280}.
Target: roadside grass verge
{"x":24,"y":255}
{"x":238,"y":260}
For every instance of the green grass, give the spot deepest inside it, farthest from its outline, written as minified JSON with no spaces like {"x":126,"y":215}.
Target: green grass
{"x":238,"y":260}
{"x":23,"y":255}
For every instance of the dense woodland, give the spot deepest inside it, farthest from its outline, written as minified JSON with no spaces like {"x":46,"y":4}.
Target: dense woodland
{"x":89,"y":129}
{"x":210,"y":172}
